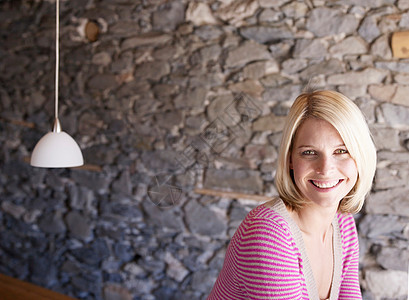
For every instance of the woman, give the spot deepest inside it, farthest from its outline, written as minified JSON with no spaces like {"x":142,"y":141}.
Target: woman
{"x":304,"y":244}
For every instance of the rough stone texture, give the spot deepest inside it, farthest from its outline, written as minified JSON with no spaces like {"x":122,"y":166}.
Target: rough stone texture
{"x":335,"y":22}
{"x":366,"y":77}
{"x":396,"y":281}
{"x":237,"y":180}
{"x":249,"y":51}
{"x":175,"y":95}
{"x":351,"y":45}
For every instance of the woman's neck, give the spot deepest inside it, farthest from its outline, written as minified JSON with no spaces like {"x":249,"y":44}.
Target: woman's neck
{"x":314,"y":222}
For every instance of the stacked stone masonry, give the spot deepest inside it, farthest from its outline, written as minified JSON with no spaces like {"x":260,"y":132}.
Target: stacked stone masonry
{"x":157,"y":93}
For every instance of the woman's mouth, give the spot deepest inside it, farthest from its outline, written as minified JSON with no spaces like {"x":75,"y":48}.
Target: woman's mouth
{"x":326,"y":184}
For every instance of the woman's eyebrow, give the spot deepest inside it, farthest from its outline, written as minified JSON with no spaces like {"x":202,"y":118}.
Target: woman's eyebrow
{"x":312,"y":146}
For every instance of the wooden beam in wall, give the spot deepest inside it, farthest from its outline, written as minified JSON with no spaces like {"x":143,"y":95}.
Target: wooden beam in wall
{"x":86,"y":167}
{"x":400,"y":44}
{"x":15,"y":289}
{"x":232,"y":195}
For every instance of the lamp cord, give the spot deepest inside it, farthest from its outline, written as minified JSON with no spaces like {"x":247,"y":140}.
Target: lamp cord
{"x":57,"y":54}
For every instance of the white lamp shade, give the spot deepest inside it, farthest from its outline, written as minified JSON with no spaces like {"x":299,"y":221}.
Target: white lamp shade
{"x":57,"y":150}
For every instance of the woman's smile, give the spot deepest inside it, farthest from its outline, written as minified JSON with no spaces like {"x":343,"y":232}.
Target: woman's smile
{"x":325,"y":184}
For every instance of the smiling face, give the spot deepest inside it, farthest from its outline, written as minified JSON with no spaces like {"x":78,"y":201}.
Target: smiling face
{"x":323,"y":170}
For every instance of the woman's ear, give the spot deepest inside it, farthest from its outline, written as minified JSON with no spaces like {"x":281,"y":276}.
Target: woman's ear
{"x":290,"y":162}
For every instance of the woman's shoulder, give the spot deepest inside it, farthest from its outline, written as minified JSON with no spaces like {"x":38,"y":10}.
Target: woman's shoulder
{"x":270,"y":216}
{"x":346,"y":222}
{"x":270,"y":210}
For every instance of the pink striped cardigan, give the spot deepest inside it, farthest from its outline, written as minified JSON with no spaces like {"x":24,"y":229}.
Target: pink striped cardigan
{"x":266,"y":259}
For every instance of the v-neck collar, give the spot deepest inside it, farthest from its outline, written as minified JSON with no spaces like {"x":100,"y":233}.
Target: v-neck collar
{"x":278,"y":206}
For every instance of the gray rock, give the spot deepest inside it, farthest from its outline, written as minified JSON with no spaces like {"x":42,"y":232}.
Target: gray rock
{"x":152,"y":38}
{"x":387,"y":284}
{"x":200,"y":14}
{"x":335,"y":22}
{"x":237,"y":180}
{"x":401,"y":95}
{"x":259,"y":69}
{"x":89,"y":283}
{"x":123,"y":184}
{"x":217,"y":109}
{"x":204,"y":221}
{"x":391,"y":258}
{"x":275,"y":4}
{"x":247,"y":52}
{"x":365,"y":3}
{"x":264,"y":34}
{"x":257,"y":154}
{"x":365,"y":77}
{"x":393,"y":176}
{"x":270,"y":15}
{"x":43,"y":270}
{"x":282,"y":94}
{"x":402,"y":78}
{"x":204,"y":280}
{"x":270,"y":122}
{"x":120,"y":210}
{"x":209,"y":32}
{"x":326,"y":67}
{"x":102,"y":58}
{"x":152,"y":70}
{"x":78,"y":225}
{"x":391,"y":201}
{"x":386,"y":138}
{"x":404,"y":21}
{"x":369,"y":29}
{"x":52,"y":223}
{"x":15,"y":210}
{"x":310,"y":48}
{"x":92,"y":255}
{"x":353,"y":92}
{"x":163,"y":218}
{"x":381,"y":47}
{"x":351,"y":45}
{"x":281,"y":49}
{"x":403,"y":5}
{"x":395,"y":115}
{"x":382,"y":92}
{"x":103,"y":82}
{"x":378,"y":226}
{"x":124,"y":28}
{"x":249,"y":87}
{"x":169,"y":119}
{"x":124,"y":64}
{"x":295,"y":10}
{"x":175,"y":268}
{"x":194,"y":125}
{"x":168,"y":16}
{"x":96,"y":182}
{"x":210,"y":53}
{"x":387,"y":157}
{"x":395,"y":66}
{"x":292,"y":66}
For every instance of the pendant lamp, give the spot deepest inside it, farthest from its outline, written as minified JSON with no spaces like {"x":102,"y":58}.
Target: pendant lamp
{"x":56,"y":149}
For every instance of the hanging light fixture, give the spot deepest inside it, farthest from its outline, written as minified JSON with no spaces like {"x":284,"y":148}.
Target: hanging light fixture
{"x":56,"y":149}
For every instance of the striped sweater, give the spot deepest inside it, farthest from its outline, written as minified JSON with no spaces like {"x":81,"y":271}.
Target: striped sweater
{"x":266,"y":259}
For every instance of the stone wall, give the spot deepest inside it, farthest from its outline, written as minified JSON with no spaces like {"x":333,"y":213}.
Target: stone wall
{"x":191,"y":95}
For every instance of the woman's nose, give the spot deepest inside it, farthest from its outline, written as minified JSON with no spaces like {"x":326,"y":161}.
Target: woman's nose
{"x":324,"y":165}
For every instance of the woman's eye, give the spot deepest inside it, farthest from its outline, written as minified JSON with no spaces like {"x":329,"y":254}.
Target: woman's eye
{"x":341,"y":151}
{"x":308,"y":152}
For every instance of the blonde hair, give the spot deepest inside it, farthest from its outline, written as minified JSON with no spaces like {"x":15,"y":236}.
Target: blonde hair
{"x":350,"y":123}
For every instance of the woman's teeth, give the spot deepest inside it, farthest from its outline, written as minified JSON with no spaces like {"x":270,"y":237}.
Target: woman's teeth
{"x":326,"y":184}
